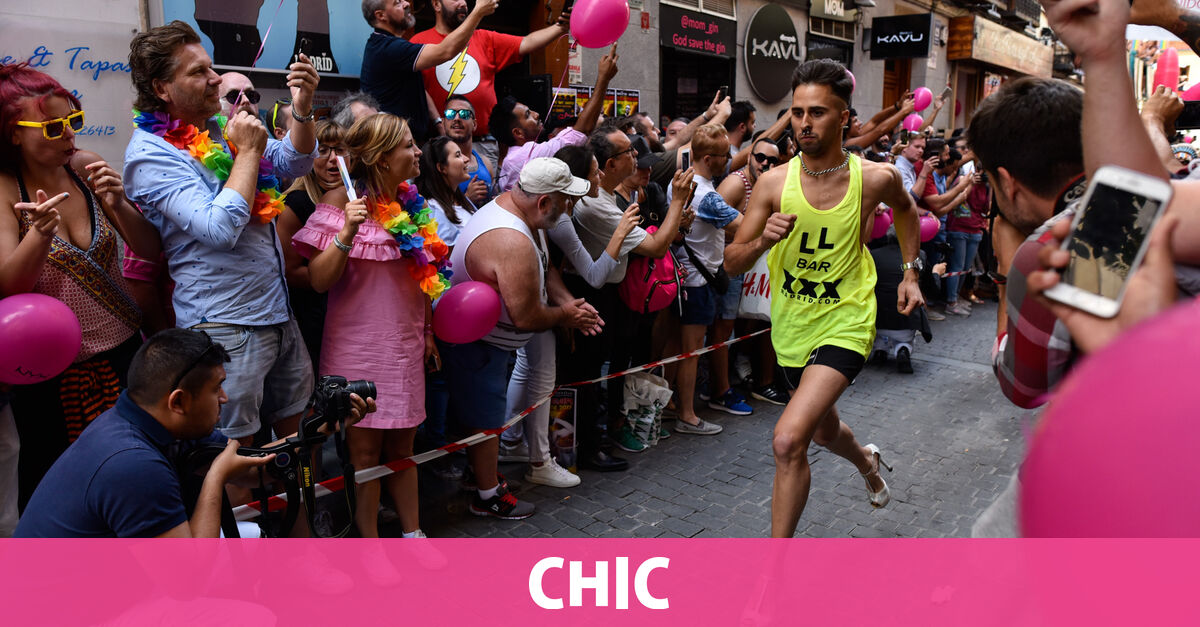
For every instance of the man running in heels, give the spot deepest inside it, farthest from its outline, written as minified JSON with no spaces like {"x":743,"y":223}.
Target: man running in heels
{"x":814,"y":216}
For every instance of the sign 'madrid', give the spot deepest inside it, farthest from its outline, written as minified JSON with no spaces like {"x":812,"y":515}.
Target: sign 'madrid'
{"x":901,"y":36}
{"x":772,"y":51}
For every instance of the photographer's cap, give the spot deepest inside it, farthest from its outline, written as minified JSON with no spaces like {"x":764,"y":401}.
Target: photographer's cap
{"x":546,"y":175}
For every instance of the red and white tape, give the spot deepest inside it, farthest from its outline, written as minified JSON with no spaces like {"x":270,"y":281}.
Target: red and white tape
{"x":278,"y":502}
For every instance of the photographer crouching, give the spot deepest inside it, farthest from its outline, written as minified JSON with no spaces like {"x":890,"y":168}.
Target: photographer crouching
{"x":118,"y":479}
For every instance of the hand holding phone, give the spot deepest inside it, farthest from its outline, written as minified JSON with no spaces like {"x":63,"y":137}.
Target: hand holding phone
{"x":1108,"y":239}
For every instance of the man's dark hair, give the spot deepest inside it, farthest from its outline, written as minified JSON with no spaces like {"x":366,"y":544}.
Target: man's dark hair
{"x":601,"y":146}
{"x":458,"y":98}
{"x":824,"y":72}
{"x":173,"y":355}
{"x":578,"y":159}
{"x":739,"y":112}
{"x":503,"y":120}
{"x":933,"y":147}
{"x":1031,"y":127}
{"x":152,"y":57}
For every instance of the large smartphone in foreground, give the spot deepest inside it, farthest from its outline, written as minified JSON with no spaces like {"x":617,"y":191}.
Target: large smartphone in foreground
{"x":1108,"y":239}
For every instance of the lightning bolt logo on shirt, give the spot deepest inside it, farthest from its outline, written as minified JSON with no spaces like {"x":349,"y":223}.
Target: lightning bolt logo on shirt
{"x":459,"y":75}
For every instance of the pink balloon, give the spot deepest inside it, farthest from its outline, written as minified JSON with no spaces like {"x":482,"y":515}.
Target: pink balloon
{"x":466,"y":312}
{"x":39,"y":338}
{"x":599,"y":23}
{"x":853,"y":82}
{"x":882,"y":222}
{"x":913,"y":122}
{"x":1129,"y":399}
{"x":922,"y":98}
{"x":1192,"y":93}
{"x":929,"y":227}
{"x":1166,"y":71}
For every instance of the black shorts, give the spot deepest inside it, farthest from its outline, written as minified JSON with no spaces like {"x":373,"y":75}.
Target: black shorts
{"x":844,"y":360}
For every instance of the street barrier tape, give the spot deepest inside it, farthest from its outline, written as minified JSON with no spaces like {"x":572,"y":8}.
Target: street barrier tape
{"x":250,"y":511}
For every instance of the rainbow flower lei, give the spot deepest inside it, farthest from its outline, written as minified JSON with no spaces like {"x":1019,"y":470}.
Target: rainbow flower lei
{"x":268,"y":202}
{"x":409,"y":221}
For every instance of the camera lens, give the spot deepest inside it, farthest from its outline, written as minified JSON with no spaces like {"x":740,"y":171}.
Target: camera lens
{"x":363,"y":388}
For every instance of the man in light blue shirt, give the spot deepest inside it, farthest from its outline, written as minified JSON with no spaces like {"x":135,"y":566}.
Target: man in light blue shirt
{"x":226,"y":263}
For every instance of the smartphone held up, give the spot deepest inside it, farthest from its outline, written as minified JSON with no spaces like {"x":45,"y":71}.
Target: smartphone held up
{"x":1108,"y":239}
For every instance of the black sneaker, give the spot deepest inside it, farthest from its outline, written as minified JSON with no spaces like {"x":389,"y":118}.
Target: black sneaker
{"x":903,"y":361}
{"x":502,"y":505}
{"x":772,"y":394}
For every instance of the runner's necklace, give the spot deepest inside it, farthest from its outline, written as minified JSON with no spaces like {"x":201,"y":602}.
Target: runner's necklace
{"x":826,"y":170}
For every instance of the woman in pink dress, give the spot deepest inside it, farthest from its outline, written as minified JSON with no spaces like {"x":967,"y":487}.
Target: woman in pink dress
{"x":378,"y":324}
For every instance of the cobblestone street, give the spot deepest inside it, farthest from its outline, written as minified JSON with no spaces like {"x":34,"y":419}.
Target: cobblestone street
{"x":952,"y":437}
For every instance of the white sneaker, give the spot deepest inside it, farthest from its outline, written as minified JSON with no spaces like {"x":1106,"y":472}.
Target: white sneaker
{"x":515,"y":453}
{"x":551,"y":474}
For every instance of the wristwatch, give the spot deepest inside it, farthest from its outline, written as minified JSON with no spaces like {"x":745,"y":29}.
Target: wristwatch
{"x":915,"y":264}
{"x":302,"y":119}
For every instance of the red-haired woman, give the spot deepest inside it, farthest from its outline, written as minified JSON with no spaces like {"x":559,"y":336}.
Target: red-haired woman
{"x":62,"y":209}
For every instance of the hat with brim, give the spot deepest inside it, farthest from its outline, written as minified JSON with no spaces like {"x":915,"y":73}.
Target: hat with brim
{"x":547,"y":175}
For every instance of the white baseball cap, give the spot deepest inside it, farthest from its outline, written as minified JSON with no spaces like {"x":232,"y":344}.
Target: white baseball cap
{"x":546,"y":175}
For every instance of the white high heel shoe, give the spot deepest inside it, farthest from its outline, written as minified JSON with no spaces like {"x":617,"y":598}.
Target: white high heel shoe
{"x":883,"y":496}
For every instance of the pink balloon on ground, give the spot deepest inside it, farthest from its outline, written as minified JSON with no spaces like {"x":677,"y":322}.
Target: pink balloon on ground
{"x":913,"y":122}
{"x":1113,"y":454}
{"x":466,"y":312}
{"x":599,"y":23}
{"x":882,"y":222}
{"x":39,"y":337}
{"x":929,"y":227}
{"x":922,"y":98}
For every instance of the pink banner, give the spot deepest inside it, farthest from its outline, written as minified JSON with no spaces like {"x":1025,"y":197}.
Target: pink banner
{"x":633,"y":582}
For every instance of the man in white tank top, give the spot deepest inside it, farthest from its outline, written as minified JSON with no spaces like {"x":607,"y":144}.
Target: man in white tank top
{"x":499,"y":247}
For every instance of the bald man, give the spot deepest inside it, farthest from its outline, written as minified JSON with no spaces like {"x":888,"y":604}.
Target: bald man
{"x":234,"y":84}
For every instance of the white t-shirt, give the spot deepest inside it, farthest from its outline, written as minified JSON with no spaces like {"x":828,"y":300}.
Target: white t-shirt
{"x":596,"y":220}
{"x":707,"y":239}
{"x":446,"y":229}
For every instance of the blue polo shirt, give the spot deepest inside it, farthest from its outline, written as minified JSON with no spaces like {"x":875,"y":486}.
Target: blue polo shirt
{"x":114,"y":481}
{"x":389,"y":73}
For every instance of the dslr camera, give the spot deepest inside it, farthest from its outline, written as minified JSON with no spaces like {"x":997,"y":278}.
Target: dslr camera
{"x":331,"y":400}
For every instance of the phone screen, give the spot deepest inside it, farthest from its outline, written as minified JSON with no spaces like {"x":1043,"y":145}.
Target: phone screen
{"x":1190,"y":116}
{"x":686,"y":159}
{"x":1107,"y":239}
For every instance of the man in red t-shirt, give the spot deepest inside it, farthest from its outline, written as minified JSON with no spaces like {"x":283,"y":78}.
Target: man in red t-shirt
{"x":472,"y":72}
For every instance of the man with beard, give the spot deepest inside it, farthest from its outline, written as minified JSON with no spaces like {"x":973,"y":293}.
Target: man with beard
{"x":822,"y":280}
{"x":472,"y":72}
{"x":391,"y":63}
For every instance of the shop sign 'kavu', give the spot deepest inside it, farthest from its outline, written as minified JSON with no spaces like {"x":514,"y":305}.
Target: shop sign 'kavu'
{"x":772,"y":51}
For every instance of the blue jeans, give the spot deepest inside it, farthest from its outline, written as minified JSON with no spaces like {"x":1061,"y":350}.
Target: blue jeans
{"x":962,"y":253}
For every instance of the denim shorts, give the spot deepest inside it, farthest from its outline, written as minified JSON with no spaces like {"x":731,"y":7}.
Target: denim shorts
{"x":727,"y":307}
{"x":477,"y":380}
{"x":699,"y":305}
{"x":270,"y":375}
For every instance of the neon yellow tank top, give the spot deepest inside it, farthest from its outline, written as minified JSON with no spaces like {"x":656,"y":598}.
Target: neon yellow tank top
{"x":822,"y":276}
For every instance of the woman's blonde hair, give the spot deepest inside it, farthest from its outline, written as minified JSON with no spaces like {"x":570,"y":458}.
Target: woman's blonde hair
{"x":328,"y":134}
{"x":367,"y":142}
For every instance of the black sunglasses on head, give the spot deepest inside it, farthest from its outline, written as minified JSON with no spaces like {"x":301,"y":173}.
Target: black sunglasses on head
{"x":231,"y":96}
{"x":766,"y":160}
{"x":212,"y":346}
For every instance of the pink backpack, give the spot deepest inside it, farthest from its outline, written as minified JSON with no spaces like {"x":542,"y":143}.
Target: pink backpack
{"x":651,"y":284}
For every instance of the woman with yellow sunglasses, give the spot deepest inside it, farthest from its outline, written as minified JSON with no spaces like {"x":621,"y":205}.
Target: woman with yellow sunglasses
{"x":62,"y":209}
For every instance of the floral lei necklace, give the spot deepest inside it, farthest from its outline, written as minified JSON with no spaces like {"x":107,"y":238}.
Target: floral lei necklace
{"x":408,"y":220}
{"x":268,"y":202}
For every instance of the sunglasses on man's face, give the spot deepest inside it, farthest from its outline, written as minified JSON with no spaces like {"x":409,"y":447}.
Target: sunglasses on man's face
{"x":462,"y":114}
{"x":766,"y":161}
{"x":231,"y":96}
{"x":53,"y":129}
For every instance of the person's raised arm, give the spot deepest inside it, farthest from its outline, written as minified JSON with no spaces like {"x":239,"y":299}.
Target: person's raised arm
{"x":888,"y":113}
{"x":435,"y":54}
{"x":956,"y":194}
{"x":1158,"y":116}
{"x":871,"y":132}
{"x":590,"y":115}
{"x":1095,"y":31}
{"x":109,"y":189}
{"x":302,"y":80}
{"x":543,"y":37}
{"x":659,"y":242}
{"x":717,"y":112}
{"x":938,"y":103}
